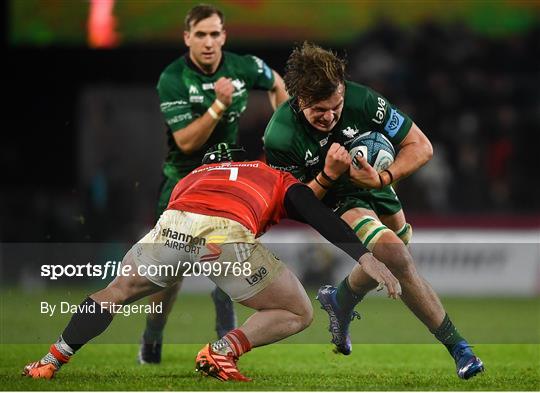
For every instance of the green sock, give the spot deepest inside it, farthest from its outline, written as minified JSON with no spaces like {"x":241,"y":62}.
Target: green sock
{"x":447,"y":334}
{"x":153,"y":330}
{"x":345,"y":296}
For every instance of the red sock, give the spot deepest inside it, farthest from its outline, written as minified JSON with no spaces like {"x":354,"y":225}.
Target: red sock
{"x":238,"y":342}
{"x":62,"y":358}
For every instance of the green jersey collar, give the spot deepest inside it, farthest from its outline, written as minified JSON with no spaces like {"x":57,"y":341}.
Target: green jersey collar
{"x":194,"y":67}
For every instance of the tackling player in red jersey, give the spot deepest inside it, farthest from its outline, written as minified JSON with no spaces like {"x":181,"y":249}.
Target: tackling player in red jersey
{"x":252,"y":192}
{"x":215,"y":214}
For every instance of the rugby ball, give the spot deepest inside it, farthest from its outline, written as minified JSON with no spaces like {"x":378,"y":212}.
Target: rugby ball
{"x":375,"y":147}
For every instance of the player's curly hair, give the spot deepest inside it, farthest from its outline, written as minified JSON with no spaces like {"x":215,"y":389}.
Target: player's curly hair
{"x":200,"y":12}
{"x":313,"y":74}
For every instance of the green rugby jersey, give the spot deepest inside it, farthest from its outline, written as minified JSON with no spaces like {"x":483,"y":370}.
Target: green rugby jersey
{"x":186,"y":93}
{"x":293,"y":145}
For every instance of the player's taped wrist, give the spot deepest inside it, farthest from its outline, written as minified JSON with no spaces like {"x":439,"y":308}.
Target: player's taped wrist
{"x":220,"y":104}
{"x":213,"y":113}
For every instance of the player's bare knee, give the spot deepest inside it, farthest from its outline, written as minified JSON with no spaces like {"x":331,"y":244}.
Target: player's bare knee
{"x":306,"y":317}
{"x":303,"y":311}
{"x":300,"y":322}
{"x":386,"y":246}
{"x":302,"y":316}
{"x":400,"y":262}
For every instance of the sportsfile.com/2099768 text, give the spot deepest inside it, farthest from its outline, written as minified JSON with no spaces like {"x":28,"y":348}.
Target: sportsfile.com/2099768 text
{"x":115,"y":268}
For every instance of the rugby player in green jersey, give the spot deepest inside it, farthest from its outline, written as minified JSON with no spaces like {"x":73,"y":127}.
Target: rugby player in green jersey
{"x":202,"y":96}
{"x":309,"y":137}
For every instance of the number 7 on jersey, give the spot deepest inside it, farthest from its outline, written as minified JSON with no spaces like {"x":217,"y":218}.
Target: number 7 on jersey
{"x":234,"y":172}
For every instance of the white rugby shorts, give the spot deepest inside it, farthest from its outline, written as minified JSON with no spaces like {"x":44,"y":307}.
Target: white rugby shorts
{"x":224,"y":250}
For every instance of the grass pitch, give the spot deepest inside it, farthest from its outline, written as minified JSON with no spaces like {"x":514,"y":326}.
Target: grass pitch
{"x":392,"y":350}
{"x":283,"y":367}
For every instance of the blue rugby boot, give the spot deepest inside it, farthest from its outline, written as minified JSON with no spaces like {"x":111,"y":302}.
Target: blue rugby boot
{"x":467,"y":364}
{"x":225,"y":315}
{"x":339,"y":319}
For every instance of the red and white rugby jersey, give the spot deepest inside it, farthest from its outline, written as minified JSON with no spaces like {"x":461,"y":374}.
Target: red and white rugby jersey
{"x":250,"y":193}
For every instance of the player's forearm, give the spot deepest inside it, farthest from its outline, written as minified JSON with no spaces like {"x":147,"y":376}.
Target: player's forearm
{"x":415,"y":151}
{"x":191,"y":138}
{"x":278,"y":93}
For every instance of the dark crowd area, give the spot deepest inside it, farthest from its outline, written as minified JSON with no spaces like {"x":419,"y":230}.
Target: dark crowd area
{"x":476,"y":97}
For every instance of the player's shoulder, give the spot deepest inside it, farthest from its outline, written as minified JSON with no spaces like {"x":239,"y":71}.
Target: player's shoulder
{"x":254,"y":168}
{"x":250,"y":69}
{"x":172,"y":74}
{"x":363,"y":100}
{"x":235,"y":60}
{"x":175,"y":68}
{"x":239,"y":59}
{"x":245,"y":64}
{"x":281,"y":131}
{"x":268,"y":169}
{"x":357,"y":94}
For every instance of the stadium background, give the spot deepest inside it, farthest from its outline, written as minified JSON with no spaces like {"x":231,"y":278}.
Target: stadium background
{"x":83,"y":142}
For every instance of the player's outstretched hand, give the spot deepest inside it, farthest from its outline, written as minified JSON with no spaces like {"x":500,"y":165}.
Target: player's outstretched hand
{"x":362,"y":174}
{"x":224,"y":90}
{"x":337,"y":161}
{"x":380,"y":273}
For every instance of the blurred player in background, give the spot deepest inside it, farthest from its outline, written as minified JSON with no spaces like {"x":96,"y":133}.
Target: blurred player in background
{"x":309,"y":138}
{"x":235,"y":202}
{"x":202,"y":95}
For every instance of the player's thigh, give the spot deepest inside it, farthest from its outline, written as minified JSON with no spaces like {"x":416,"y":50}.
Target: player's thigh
{"x":394,"y":221}
{"x":165,"y":252}
{"x":386,"y":204}
{"x":128,"y":286}
{"x":382,"y":204}
{"x":351,"y":216}
{"x":285,"y":292}
{"x":389,"y":210}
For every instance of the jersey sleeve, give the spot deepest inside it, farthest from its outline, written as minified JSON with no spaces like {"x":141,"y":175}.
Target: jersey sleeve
{"x":174,"y":102}
{"x":288,"y":180}
{"x":279,"y":146}
{"x":259,"y":75}
{"x":302,"y":205}
{"x":386,"y":118}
